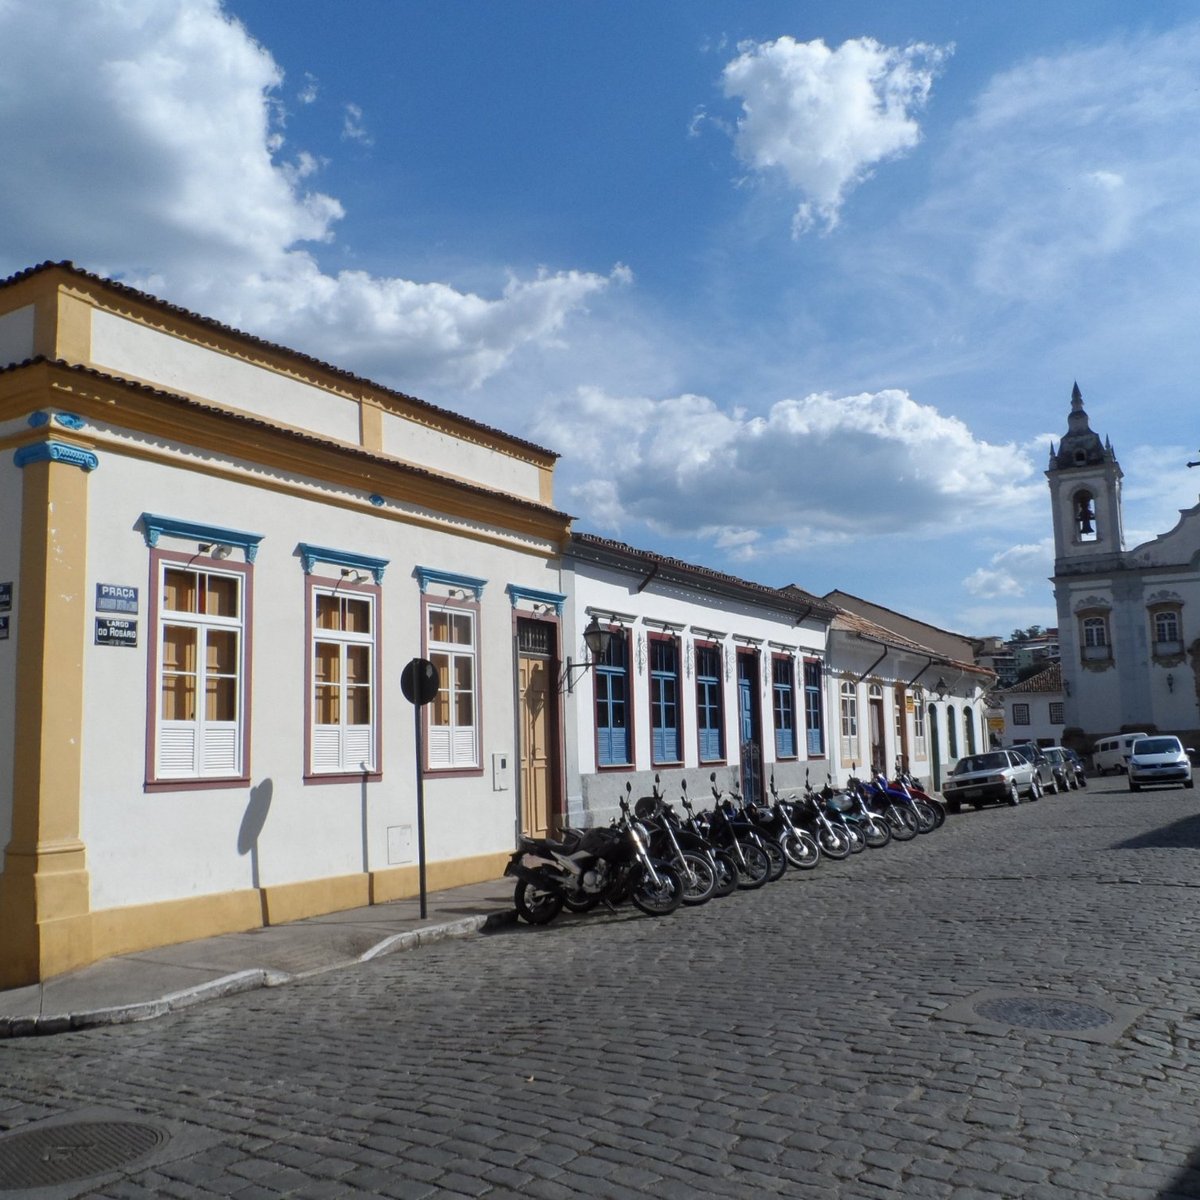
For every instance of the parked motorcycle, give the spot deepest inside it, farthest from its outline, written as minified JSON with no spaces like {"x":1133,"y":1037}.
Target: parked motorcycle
{"x":853,"y":808}
{"x":752,"y":861}
{"x":601,"y":865}
{"x":695,"y":864}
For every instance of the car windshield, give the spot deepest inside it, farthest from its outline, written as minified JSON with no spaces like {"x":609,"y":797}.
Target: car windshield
{"x":980,"y":762}
{"x":1163,"y":745}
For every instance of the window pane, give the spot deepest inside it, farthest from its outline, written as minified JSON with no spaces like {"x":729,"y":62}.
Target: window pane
{"x":178,"y":697}
{"x":460,"y":629}
{"x":441,"y":702}
{"x":357,"y":615}
{"x":358,"y":706}
{"x":179,"y":648}
{"x":221,"y":596}
{"x":439,"y":626}
{"x":328,"y":615}
{"x":220,"y":700}
{"x":221,"y":651}
{"x":327,"y":663}
{"x":326,"y":703}
{"x":179,"y":591}
{"x":358,"y":664}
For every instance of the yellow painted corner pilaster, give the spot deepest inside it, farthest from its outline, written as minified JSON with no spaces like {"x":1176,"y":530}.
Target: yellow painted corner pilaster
{"x":62,"y":324}
{"x":370,"y":423}
{"x":44,"y":889}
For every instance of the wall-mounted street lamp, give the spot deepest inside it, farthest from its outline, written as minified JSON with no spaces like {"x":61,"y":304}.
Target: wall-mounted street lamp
{"x":940,"y":688}
{"x":1170,"y":682}
{"x":597,"y":640}
{"x":215,"y":549}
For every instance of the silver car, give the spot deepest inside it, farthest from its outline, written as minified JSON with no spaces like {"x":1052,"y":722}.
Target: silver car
{"x":1159,"y":760}
{"x":997,"y":776}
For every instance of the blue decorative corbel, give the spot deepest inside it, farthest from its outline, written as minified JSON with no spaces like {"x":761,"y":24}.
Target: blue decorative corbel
{"x":60,"y":452}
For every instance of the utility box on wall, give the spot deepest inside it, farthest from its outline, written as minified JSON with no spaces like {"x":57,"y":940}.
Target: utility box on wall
{"x":501,"y":772}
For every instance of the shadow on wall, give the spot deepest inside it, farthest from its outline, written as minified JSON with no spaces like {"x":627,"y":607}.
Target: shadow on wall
{"x":252,"y":825}
{"x":1183,"y":834}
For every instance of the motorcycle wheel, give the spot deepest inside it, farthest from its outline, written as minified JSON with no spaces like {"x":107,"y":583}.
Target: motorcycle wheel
{"x":902,"y":822}
{"x":833,"y":844}
{"x":580,"y":906}
{"x":858,"y":842}
{"x":657,"y":900}
{"x":926,"y":818}
{"x":939,"y":813}
{"x":802,"y":851}
{"x":877,"y":832}
{"x":538,"y":906}
{"x":757,"y":868}
{"x":699,"y":879}
{"x":727,"y":873}
{"x":778,"y":859}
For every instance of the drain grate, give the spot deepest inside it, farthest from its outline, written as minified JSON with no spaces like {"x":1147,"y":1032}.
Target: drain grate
{"x":45,"y":1156}
{"x":1037,"y":1012}
{"x":1004,"y":1013}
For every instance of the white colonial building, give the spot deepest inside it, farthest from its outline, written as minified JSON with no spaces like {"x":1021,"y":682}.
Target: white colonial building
{"x":901,"y":692}
{"x":217,"y":556}
{"x":1128,"y":620}
{"x":702,"y":673}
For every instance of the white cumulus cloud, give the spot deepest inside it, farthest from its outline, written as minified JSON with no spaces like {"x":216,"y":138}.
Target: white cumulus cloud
{"x":824,"y":117}
{"x":820,"y":468}
{"x":147,"y":137}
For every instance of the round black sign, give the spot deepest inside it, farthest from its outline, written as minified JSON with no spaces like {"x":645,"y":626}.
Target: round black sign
{"x":419,"y":681}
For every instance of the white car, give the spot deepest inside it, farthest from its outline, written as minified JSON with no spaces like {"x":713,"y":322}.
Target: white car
{"x":1159,"y":760}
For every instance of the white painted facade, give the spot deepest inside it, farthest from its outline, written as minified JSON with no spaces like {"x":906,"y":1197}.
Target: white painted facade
{"x":892,"y":700}
{"x":1128,"y":620}
{"x":642,"y":598}
{"x":252,"y":465}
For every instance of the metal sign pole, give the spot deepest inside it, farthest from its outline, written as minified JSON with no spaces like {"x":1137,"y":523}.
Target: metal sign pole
{"x":419,"y":682}
{"x":420,"y":806}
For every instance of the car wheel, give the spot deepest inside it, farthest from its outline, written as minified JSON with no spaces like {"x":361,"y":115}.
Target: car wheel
{"x":954,"y":806}
{"x":1134,"y":787}
{"x":1035,"y":789}
{"x":1187,"y":783}
{"x":1052,"y":788}
{"x":1014,"y":796}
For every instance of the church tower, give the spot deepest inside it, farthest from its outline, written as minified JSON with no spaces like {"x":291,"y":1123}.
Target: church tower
{"x":1085,"y":494}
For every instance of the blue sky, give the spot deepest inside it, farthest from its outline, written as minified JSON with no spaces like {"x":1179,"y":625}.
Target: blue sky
{"x":798,"y":291}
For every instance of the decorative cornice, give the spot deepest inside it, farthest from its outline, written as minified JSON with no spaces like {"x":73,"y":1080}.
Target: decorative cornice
{"x":192,"y":531}
{"x":61,"y":452}
{"x":427,"y":575}
{"x":66,"y":420}
{"x":516,"y":594}
{"x":311,"y":555}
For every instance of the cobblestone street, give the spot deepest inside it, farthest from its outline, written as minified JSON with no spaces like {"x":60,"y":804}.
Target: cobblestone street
{"x":823,"y":1037}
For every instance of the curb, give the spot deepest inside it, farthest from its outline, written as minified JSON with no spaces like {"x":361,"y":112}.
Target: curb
{"x":244,"y":981}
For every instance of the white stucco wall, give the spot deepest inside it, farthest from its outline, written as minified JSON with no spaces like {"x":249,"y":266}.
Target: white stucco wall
{"x":148,"y":846}
{"x":439,"y":451}
{"x":16,"y":335}
{"x":692,"y":616}
{"x":134,"y":351}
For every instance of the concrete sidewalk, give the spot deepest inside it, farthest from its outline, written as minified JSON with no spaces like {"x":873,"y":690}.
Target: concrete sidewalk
{"x":135,"y":987}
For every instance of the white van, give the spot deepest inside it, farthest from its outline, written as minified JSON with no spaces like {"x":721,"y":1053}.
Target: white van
{"x":1112,"y":753}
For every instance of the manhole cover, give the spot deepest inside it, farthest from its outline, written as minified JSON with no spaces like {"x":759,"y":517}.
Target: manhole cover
{"x":1032,"y":1012}
{"x":45,"y":1156}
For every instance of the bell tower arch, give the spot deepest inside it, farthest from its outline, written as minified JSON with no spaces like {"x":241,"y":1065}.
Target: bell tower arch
{"x":1085,"y":491}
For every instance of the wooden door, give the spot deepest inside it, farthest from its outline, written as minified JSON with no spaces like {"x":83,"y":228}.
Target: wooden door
{"x":537,"y":790}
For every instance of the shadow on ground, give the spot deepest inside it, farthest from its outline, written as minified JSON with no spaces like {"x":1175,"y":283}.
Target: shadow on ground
{"x":1185,"y":1185}
{"x":1183,"y":834}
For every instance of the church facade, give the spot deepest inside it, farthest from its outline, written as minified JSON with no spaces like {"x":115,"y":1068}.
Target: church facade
{"x":1128,"y":620}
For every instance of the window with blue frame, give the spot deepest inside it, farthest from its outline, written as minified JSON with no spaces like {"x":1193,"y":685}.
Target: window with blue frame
{"x":783,"y":689}
{"x":612,"y":703}
{"x":814,"y":712}
{"x":664,"y":699}
{"x":710,"y":722}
